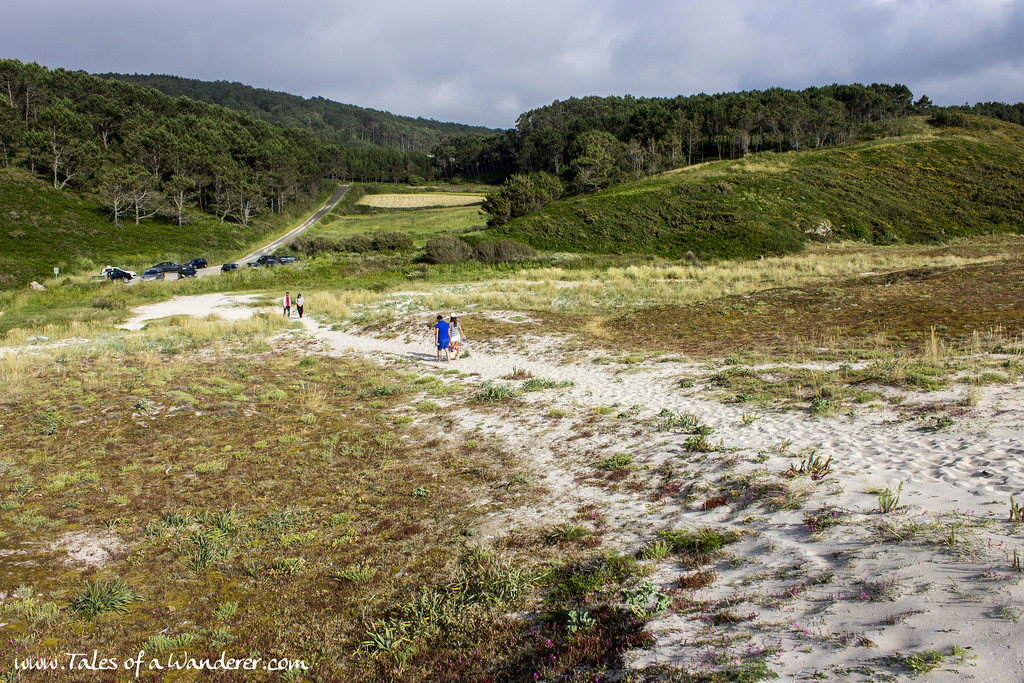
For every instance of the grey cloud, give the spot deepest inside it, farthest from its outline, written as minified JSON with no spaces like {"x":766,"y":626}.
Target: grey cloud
{"x":485,"y":63}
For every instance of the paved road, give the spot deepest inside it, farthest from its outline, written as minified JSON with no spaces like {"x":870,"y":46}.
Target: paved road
{"x":269,"y":248}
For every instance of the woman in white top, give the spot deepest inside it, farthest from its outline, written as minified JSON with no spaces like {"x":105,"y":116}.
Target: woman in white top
{"x":455,"y":334}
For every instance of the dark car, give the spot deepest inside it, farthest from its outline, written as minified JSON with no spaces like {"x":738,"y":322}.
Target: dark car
{"x":153,"y":274}
{"x":167,"y":266}
{"x":197,"y":263}
{"x":287,"y":259}
{"x":121,"y":274}
{"x":227,"y":267}
{"x":265,"y":260}
{"x":186,"y":271}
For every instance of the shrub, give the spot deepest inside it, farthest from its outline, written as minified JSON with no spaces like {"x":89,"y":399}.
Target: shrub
{"x":357,"y":244}
{"x":947,"y":118}
{"x":521,"y":195}
{"x":444,"y":249}
{"x":311,"y":245}
{"x":502,"y":251}
{"x":391,"y":241}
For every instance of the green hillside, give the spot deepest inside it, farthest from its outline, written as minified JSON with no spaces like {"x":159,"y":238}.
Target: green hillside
{"x":930,"y":184}
{"x":42,"y":228}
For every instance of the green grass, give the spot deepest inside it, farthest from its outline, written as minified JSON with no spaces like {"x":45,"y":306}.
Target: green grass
{"x":421,"y":224}
{"x":927,"y":186}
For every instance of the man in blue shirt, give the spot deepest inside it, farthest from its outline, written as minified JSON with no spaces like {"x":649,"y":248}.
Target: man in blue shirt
{"x":441,"y":338}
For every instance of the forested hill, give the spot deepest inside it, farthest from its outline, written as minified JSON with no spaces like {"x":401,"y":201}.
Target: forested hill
{"x":331,"y":121}
{"x":594,"y":142}
{"x":945,"y":176}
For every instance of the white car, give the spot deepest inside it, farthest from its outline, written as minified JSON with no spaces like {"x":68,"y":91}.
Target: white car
{"x":115,"y":273}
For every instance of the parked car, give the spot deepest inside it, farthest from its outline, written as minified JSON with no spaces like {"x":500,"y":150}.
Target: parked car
{"x":227,"y":267}
{"x":197,"y":263}
{"x":287,"y":259}
{"x":265,"y":260}
{"x":153,"y":274}
{"x":168,"y":266}
{"x":115,"y":273}
{"x":186,"y":271}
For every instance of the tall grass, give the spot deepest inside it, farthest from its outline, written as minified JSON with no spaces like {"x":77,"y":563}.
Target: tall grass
{"x":17,"y":370}
{"x":565,"y":288}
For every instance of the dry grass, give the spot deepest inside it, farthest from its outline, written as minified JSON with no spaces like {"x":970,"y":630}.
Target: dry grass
{"x":901,"y":304}
{"x":419,"y":200}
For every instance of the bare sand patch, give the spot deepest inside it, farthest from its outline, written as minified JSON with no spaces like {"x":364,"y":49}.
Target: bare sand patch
{"x":224,"y":306}
{"x":92,"y":548}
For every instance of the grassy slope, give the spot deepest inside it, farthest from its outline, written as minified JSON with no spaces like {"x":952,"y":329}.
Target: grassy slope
{"x":41,"y":228}
{"x":928,"y":185}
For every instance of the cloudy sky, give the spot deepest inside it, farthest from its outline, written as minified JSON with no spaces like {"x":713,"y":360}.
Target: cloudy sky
{"x":485,"y":63}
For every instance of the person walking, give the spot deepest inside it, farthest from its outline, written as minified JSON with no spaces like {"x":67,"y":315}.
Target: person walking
{"x":455,"y":334}
{"x":299,"y":303}
{"x":287,"y":305}
{"x":441,"y":339}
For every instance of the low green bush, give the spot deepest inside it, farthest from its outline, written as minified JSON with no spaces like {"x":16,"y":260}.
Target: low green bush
{"x":444,"y":249}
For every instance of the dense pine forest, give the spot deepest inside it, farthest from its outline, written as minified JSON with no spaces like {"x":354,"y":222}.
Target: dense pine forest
{"x":333,"y":122}
{"x":592,"y":140}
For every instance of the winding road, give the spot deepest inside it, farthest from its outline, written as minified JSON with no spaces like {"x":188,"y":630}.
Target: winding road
{"x":291,"y":234}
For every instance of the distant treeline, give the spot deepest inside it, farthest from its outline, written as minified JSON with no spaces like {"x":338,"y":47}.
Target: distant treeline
{"x":1012,"y":113}
{"x":343,"y":124}
{"x":147,"y":154}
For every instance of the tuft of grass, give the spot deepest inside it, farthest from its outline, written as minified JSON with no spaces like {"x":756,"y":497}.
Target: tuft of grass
{"x":496,"y":393}
{"x":100,"y":597}
{"x":518,"y":373}
{"x":924,"y":661}
{"x":889,"y":499}
{"x":356,"y":573}
{"x":702,"y":541}
{"x":697,"y":579}
{"x":619,"y":461}
{"x":567,"y":531}
{"x":1016,"y":511}
{"x":811,"y":465}
{"x":668,"y":421}
{"x":539,"y":384}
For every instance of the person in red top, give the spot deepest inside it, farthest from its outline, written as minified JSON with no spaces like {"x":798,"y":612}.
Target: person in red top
{"x":287,"y":305}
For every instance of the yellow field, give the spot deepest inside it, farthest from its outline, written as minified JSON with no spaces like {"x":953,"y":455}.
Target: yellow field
{"x":419,"y":200}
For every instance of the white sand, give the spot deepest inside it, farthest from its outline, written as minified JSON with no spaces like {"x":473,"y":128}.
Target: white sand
{"x":224,"y":306}
{"x":844,"y":604}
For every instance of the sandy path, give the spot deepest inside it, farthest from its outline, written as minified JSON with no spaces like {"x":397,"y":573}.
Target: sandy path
{"x":985,"y":461}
